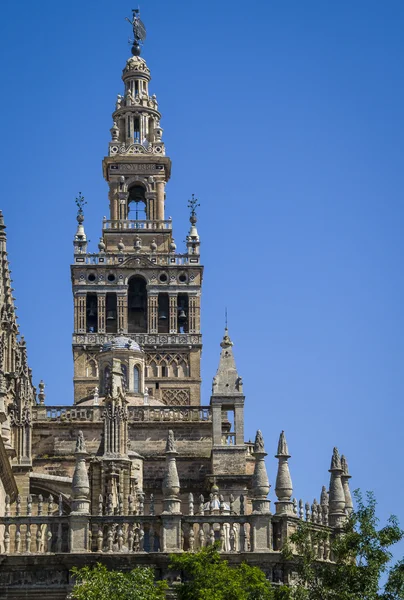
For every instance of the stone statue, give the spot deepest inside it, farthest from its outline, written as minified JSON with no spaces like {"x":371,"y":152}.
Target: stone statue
{"x":170,"y":446}
{"x":259,"y":442}
{"x":129,"y":98}
{"x":282,"y":446}
{"x":335,"y":461}
{"x":118,"y":102}
{"x":80,"y":444}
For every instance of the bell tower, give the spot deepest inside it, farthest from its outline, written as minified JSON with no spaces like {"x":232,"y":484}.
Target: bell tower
{"x":137,"y":284}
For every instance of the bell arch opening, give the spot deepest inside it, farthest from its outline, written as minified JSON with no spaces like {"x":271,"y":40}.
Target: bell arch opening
{"x":137,"y":305}
{"x":137,"y":203}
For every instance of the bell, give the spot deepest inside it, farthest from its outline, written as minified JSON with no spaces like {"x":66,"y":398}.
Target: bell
{"x":111,"y":315}
{"x":91,"y":312}
{"x":136,"y":302}
{"x":163,"y":315}
{"x":182,"y":314}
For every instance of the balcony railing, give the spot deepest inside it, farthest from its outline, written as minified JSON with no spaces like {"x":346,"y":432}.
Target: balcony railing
{"x":145,"y":414}
{"x":144,"y":339}
{"x":123,"y":224}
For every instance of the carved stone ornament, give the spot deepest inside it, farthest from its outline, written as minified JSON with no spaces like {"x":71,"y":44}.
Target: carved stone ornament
{"x":259,"y":442}
{"x":80,"y":444}
{"x":170,"y":446}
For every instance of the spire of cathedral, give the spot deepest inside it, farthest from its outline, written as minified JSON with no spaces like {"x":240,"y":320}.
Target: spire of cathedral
{"x":227,"y":381}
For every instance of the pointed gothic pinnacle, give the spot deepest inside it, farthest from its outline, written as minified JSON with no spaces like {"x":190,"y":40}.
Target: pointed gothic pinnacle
{"x":345,"y":477}
{"x":344,"y":467}
{"x":283,"y":486}
{"x":324,"y":496}
{"x":260,"y":482}
{"x":337,"y":495}
{"x":282,"y":447}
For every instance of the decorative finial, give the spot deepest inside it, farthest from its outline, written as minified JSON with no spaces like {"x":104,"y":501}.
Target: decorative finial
{"x":282,"y":446}
{"x":193,"y":205}
{"x":139,"y":32}
{"x":226,"y":341}
{"x":259,"y":442}
{"x":324,"y":496}
{"x":170,"y":445}
{"x":335,"y":461}
{"x":225,"y":317}
{"x":344,"y":467}
{"x":41,"y":394}
{"x":80,"y":203}
{"x":80,"y":444}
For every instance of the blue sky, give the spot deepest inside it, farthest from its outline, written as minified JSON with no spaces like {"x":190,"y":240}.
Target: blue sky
{"x":286,"y":120}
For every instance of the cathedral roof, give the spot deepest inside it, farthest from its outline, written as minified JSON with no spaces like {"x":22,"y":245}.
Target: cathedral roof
{"x":121,"y":343}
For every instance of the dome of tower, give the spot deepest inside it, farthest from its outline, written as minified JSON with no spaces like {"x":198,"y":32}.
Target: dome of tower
{"x":121,"y":343}
{"x":136,"y":63}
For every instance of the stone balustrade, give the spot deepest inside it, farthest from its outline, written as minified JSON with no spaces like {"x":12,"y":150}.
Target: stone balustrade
{"x":145,"y":414}
{"x":126,"y":224}
{"x":115,"y":258}
{"x":145,"y":339}
{"x":116,"y":526}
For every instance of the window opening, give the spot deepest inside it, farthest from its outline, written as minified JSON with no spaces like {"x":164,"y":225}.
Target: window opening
{"x":183,"y":312}
{"x":137,"y":305}
{"x":163,"y":313}
{"x":111,"y":313}
{"x":136,"y":380}
{"x":91,"y":313}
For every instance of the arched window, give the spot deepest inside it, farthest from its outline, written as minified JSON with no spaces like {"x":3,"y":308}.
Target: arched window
{"x":107,"y":381}
{"x":163,"y":313}
{"x":136,"y":380}
{"x":137,"y":203}
{"x":124,"y":377}
{"x":137,"y":305}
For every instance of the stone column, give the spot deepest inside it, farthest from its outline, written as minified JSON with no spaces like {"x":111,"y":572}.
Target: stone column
{"x":122,"y":309}
{"x":217,"y":424}
{"x":101,"y":312}
{"x":173,"y":326}
{"x":260,"y":535}
{"x":152,"y":311}
{"x":79,"y":516}
{"x":80,"y":313}
{"x":239,"y":422}
{"x":160,"y":200}
{"x":171,"y":516}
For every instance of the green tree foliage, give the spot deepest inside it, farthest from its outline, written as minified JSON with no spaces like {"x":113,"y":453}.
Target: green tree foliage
{"x":206,"y":576}
{"x":361,"y":556}
{"x":97,"y":583}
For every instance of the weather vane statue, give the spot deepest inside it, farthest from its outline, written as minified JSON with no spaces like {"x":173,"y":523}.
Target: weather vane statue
{"x":139,"y":32}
